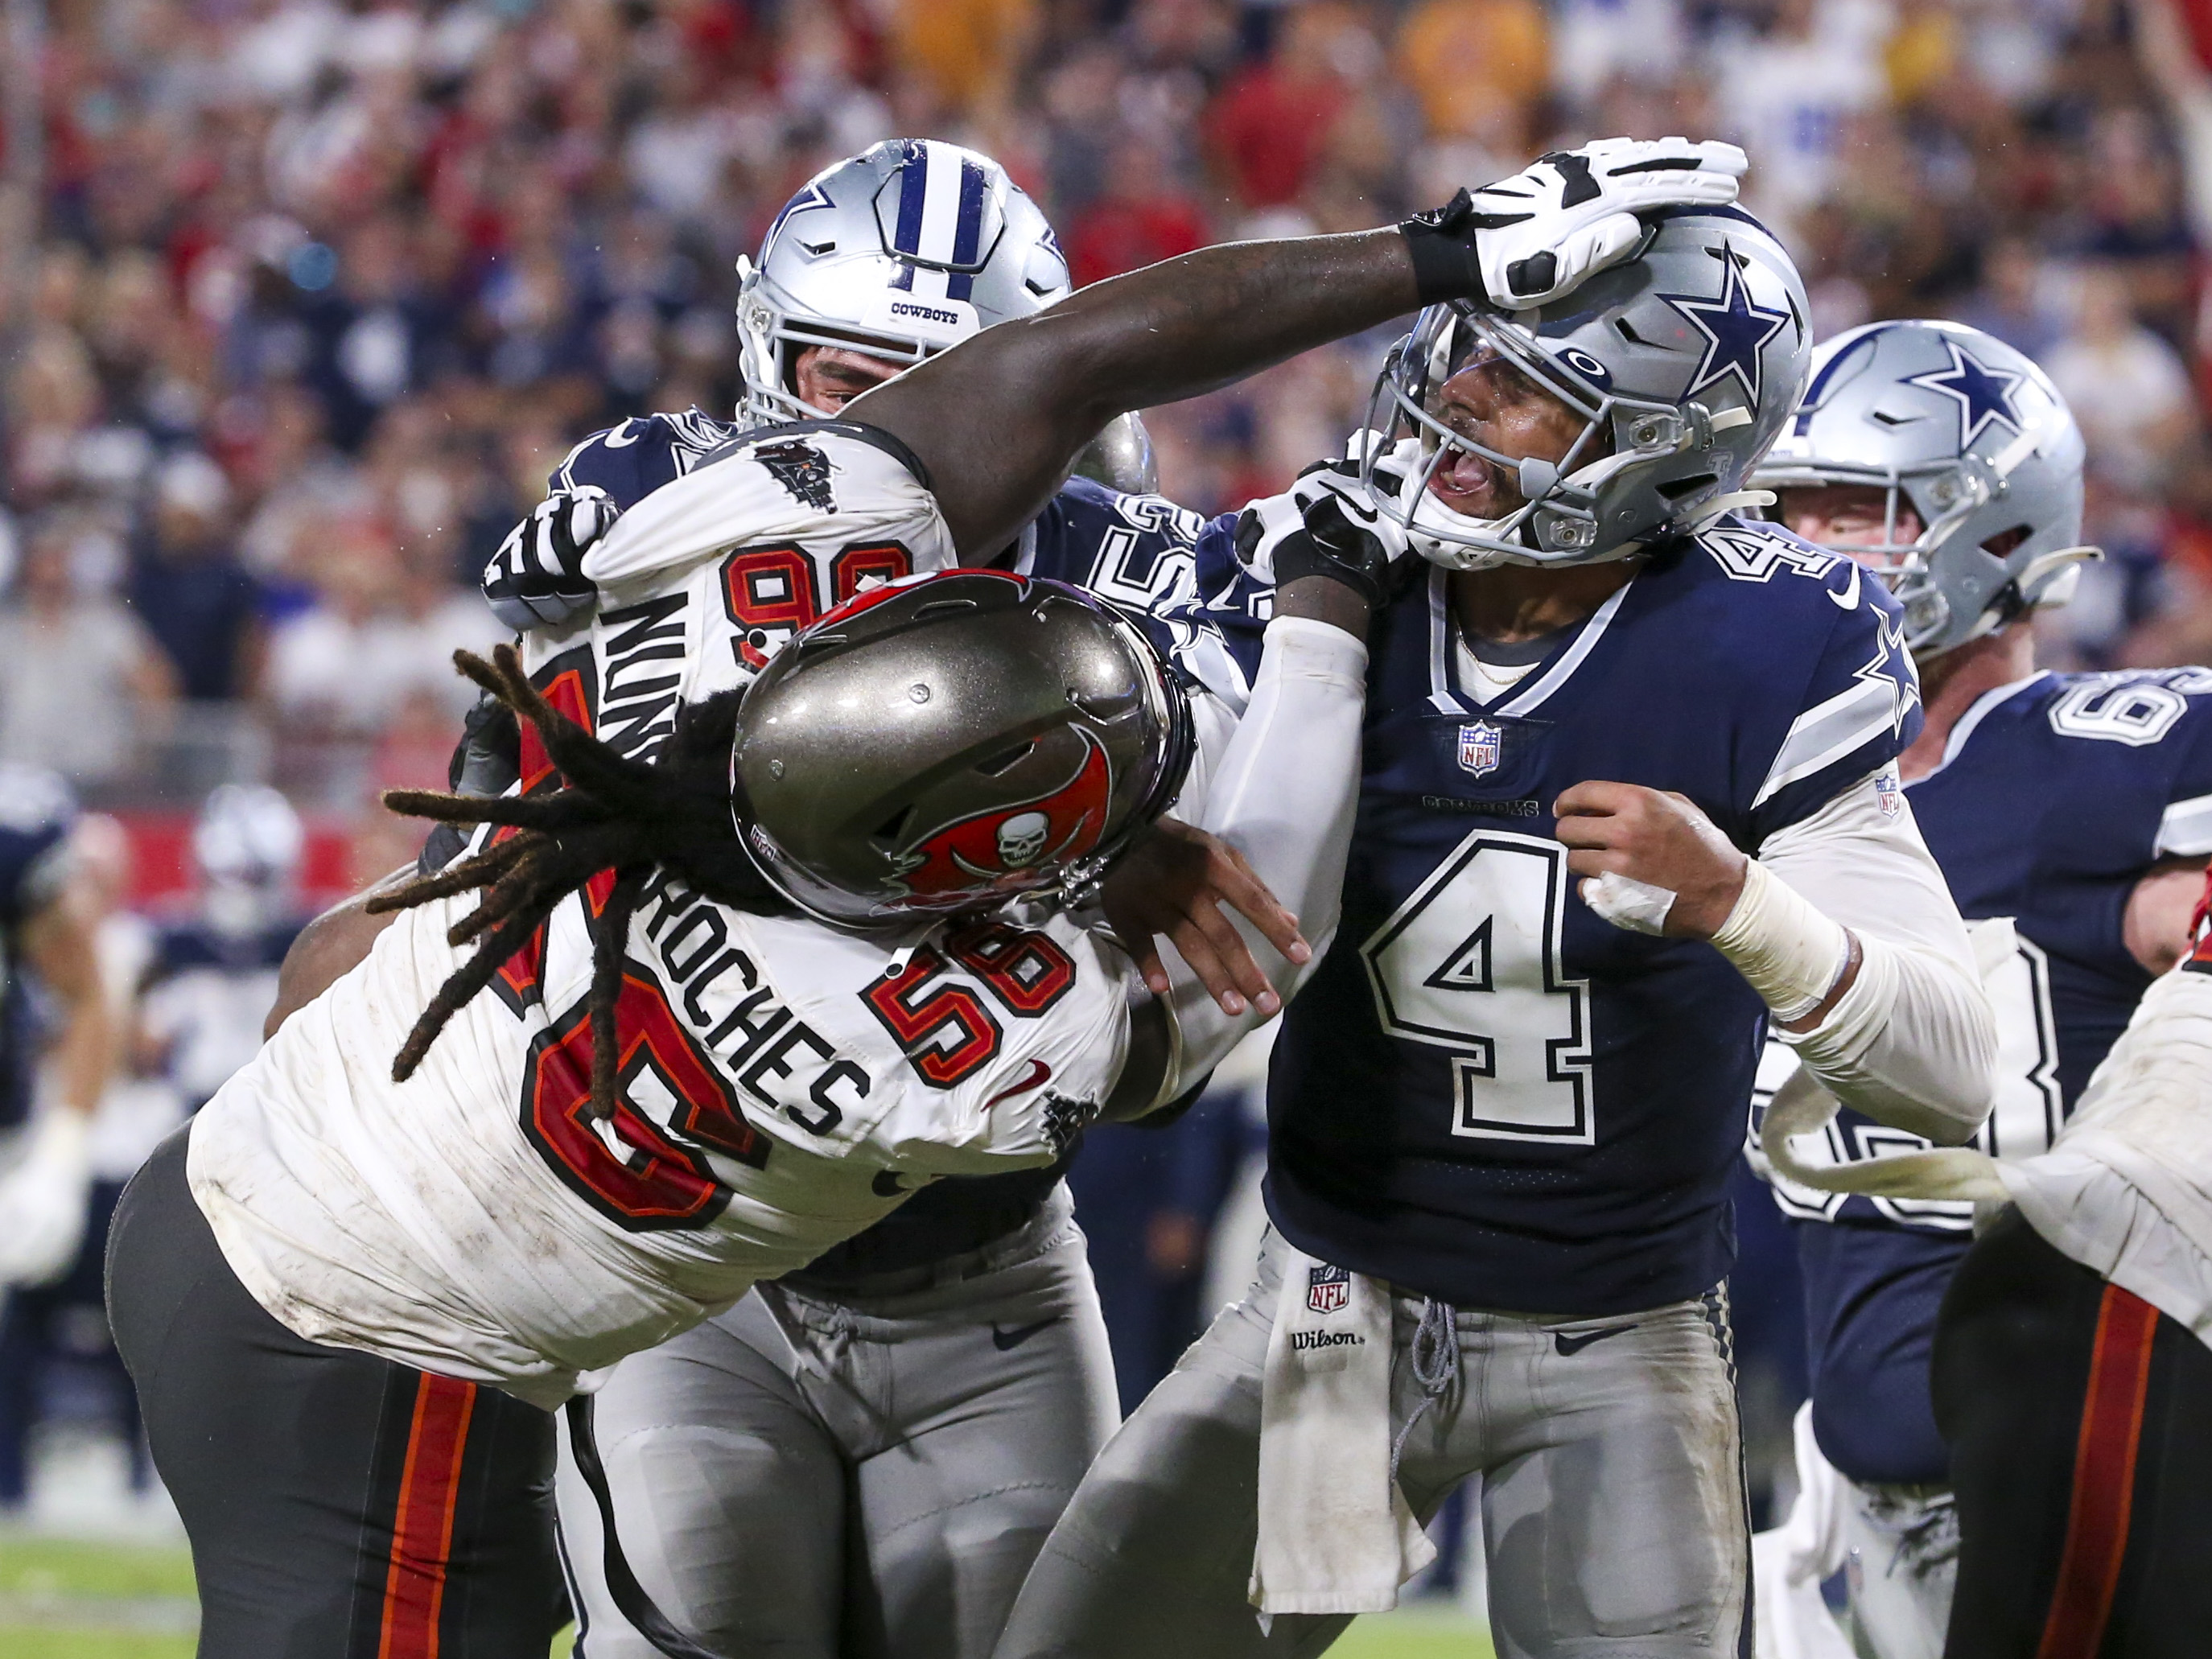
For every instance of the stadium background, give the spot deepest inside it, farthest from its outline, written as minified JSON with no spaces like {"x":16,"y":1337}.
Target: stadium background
{"x":301,"y":300}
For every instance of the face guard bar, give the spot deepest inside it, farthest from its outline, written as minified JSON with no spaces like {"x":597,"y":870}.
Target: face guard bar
{"x":1559,"y":518}
{"x":1946,"y":496}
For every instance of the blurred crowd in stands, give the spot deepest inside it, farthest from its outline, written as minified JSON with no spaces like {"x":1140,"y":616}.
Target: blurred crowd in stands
{"x":317,"y":292}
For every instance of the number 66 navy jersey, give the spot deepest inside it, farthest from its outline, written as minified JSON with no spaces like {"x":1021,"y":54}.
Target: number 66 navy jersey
{"x":2055,"y":795}
{"x":1487,"y":1093}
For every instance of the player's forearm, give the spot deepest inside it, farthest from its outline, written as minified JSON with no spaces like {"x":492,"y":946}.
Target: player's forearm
{"x":1284,"y":797}
{"x":84,"y":1058}
{"x":997,"y":420}
{"x":1911,"y":1040}
{"x":60,"y":945}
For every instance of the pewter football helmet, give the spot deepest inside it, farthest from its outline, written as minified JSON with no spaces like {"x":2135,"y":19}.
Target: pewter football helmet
{"x":1976,"y":440}
{"x":1684,"y":362}
{"x":903,"y":250}
{"x":951,"y":742}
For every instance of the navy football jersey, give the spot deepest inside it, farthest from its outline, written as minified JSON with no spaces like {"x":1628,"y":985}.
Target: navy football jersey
{"x":205,"y":995}
{"x":2054,"y":798}
{"x":1487,"y":1093}
{"x":36,"y":813}
{"x":1132,"y":549}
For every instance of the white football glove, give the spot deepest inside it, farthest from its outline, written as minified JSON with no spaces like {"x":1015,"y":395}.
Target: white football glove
{"x":1568,"y":215}
{"x":1324,"y":525}
{"x":536,"y":578}
{"x":43,"y":1197}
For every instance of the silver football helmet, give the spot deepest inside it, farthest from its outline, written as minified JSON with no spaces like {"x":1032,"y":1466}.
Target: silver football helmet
{"x":905,"y":249}
{"x":951,"y":742}
{"x":1683,"y":361}
{"x":1977,"y":440}
{"x":899,"y":252}
{"x":248,"y":843}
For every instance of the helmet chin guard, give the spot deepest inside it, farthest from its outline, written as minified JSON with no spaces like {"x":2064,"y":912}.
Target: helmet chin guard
{"x":1683,"y":364}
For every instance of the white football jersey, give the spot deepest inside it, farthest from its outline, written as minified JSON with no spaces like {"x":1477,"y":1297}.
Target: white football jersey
{"x":784,"y":1085}
{"x":745,"y":550}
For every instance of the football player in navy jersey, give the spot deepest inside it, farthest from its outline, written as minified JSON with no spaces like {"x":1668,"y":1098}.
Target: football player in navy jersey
{"x":2080,"y":805}
{"x":1628,"y":801}
{"x":52,"y":1010}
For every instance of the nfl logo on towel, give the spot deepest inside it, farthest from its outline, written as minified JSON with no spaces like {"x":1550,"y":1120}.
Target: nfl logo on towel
{"x":1329,"y":1290}
{"x":1479,"y":745}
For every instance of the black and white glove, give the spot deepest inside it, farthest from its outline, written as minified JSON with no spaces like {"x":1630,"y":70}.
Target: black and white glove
{"x":536,"y":578}
{"x":1524,"y":241}
{"x":1324,"y":525}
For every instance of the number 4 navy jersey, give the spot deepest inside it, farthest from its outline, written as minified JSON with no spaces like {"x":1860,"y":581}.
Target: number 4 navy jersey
{"x":1487,"y":1093}
{"x":2056,"y":796}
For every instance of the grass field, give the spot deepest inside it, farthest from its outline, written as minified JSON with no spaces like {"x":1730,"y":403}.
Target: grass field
{"x":66,"y":1600}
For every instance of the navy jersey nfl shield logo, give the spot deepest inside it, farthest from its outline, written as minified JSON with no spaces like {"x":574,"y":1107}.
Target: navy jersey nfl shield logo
{"x":1329,"y":1290}
{"x":1478,"y":746}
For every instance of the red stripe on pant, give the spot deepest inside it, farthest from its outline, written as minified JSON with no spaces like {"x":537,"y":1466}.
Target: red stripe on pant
{"x":2103,"y":1478}
{"x":422,"y":1521}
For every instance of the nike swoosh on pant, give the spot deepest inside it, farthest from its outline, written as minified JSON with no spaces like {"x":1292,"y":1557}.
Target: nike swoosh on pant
{"x":1006,"y":1341}
{"x":1574,"y":1344}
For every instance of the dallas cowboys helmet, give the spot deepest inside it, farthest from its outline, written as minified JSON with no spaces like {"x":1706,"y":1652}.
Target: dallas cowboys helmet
{"x":949,"y":743}
{"x":1975,"y":439}
{"x":902,"y":251}
{"x":1683,"y":361}
{"x":905,"y":249}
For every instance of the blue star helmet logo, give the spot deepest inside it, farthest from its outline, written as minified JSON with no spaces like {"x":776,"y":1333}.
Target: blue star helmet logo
{"x":1735,"y":330}
{"x":1983,"y":394}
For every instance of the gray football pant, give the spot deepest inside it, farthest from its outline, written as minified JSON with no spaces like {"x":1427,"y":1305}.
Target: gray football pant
{"x":1611,"y":1477}
{"x":812,"y":1480}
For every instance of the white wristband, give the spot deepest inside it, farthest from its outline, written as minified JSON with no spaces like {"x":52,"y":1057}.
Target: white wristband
{"x":1790,"y":952}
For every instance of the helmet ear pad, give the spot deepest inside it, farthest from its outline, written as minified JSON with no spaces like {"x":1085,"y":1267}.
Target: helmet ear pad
{"x":951,"y":742}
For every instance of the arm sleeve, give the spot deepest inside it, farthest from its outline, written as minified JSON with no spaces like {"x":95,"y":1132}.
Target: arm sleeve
{"x":1913,"y":1042}
{"x":1284,"y":796}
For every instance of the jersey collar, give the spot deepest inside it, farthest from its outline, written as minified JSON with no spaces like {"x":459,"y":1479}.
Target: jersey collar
{"x":1532,"y":690}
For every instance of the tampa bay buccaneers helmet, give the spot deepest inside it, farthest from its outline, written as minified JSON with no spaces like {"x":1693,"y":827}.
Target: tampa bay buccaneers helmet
{"x":951,"y":742}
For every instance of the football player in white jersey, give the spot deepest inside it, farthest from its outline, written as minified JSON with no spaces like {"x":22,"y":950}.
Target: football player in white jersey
{"x":1946,"y":462}
{"x":890,"y":1433}
{"x":748,"y":993}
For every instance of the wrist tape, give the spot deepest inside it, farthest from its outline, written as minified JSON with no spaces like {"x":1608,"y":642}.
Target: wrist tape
{"x":1791,"y":954}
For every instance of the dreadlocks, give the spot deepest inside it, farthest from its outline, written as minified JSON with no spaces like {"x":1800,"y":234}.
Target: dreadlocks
{"x":612,"y":814}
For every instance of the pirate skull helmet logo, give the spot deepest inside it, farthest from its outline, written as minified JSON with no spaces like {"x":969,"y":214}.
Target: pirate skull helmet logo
{"x":1022,"y":838}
